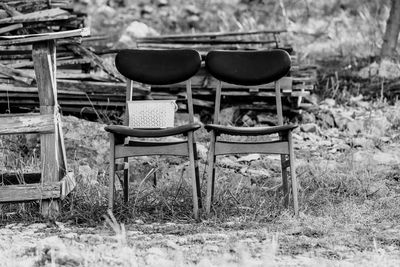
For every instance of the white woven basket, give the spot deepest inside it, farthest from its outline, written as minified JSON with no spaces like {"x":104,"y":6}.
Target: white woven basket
{"x":152,"y":113}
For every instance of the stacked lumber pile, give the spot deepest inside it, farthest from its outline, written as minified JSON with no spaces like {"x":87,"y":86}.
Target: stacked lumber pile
{"x":87,"y":81}
{"x":79,"y":70}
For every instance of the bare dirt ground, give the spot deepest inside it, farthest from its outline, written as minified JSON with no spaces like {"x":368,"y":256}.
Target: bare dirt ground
{"x":173,"y":244}
{"x":349,"y":195}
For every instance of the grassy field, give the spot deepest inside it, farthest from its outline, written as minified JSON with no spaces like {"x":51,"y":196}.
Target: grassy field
{"x":350,"y":207}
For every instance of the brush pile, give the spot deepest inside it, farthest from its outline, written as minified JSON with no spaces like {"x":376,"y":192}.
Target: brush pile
{"x":78,"y":69}
{"x":87,"y":81}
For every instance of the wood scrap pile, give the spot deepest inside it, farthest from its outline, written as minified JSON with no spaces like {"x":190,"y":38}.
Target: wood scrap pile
{"x":78,"y":69}
{"x":86,"y":79}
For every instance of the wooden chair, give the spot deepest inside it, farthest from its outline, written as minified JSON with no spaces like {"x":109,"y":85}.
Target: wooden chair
{"x":250,"y":68}
{"x":156,"y":67}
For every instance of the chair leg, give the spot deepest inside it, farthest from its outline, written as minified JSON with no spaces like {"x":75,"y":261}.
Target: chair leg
{"x":192,"y":171}
{"x":198,"y":186}
{"x":154,"y":179}
{"x":285,"y":184}
{"x":126,"y":179}
{"x":112,"y":173}
{"x":293,"y":175}
{"x":210,"y":173}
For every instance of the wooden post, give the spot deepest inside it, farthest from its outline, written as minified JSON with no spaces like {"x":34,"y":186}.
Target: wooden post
{"x":52,"y":151}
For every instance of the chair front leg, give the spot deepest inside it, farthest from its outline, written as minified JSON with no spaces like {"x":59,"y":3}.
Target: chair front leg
{"x":126,"y":179}
{"x":293,"y":175}
{"x":112,"y":173}
{"x":285,"y":183}
{"x":210,"y":173}
{"x":192,"y":171}
{"x":198,"y":185}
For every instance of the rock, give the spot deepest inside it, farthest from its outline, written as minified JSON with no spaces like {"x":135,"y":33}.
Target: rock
{"x":329,"y":102}
{"x":355,"y":127}
{"x":326,"y":119}
{"x":202,"y":151}
{"x":249,"y":158}
{"x":52,"y":249}
{"x":247,"y":121}
{"x":192,"y":9}
{"x":369,"y":71}
{"x":377,"y":126}
{"x":87,"y":175}
{"x":162,"y":2}
{"x":37,"y":226}
{"x":341,"y":120}
{"x":378,"y":189}
{"x":309,"y":128}
{"x":263,"y":118}
{"x":70,"y":235}
{"x":385,"y":158}
{"x":307,"y":117}
{"x":376,"y":158}
{"x":389,"y":69}
{"x":361,"y":142}
{"x":228,"y":162}
{"x":135,"y":30}
{"x":228,"y":116}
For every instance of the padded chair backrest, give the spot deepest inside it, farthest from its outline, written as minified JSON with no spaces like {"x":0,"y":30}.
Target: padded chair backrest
{"x":248,"y":68}
{"x":158,"y":67}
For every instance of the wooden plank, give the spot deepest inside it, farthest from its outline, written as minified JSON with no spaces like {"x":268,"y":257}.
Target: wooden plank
{"x":29,"y":192}
{"x":10,"y":11}
{"x":11,"y":28}
{"x":179,"y":149}
{"x":17,"y":75}
{"x":30,"y":123}
{"x":225,"y":148}
{"x":68,"y":183}
{"x":96,"y":60}
{"x":43,"y":55}
{"x":31,"y":38}
{"x":205,"y":41}
{"x":215,"y":34}
{"x":42,"y":15}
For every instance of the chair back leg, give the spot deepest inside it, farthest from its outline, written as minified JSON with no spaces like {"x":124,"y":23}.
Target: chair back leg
{"x":210,"y":173}
{"x":285,"y":183}
{"x":126,"y":179}
{"x":112,"y":173}
{"x":293,"y":176}
{"x":197,"y":173}
{"x":192,"y":172}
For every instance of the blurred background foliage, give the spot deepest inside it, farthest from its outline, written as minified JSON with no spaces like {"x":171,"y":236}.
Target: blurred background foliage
{"x":345,"y":28}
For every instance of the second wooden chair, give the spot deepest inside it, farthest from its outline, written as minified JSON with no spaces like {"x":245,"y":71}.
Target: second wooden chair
{"x":251,"y":68}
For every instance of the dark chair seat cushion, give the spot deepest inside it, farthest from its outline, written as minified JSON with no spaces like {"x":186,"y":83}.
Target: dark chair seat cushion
{"x":158,"y":67}
{"x":248,"y":68}
{"x":149,"y":133}
{"x":248,"y":131}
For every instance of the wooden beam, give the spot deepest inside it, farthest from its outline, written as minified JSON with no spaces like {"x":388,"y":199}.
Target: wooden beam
{"x":226,"y":148}
{"x":11,"y":28}
{"x":31,"y":38}
{"x":29,"y":192}
{"x":44,"y":54}
{"x":42,"y":15}
{"x":214,"y":34}
{"x":27,"y":123}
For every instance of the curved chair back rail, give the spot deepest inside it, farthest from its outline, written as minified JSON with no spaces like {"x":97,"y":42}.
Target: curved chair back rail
{"x":158,"y":67}
{"x":248,"y":68}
